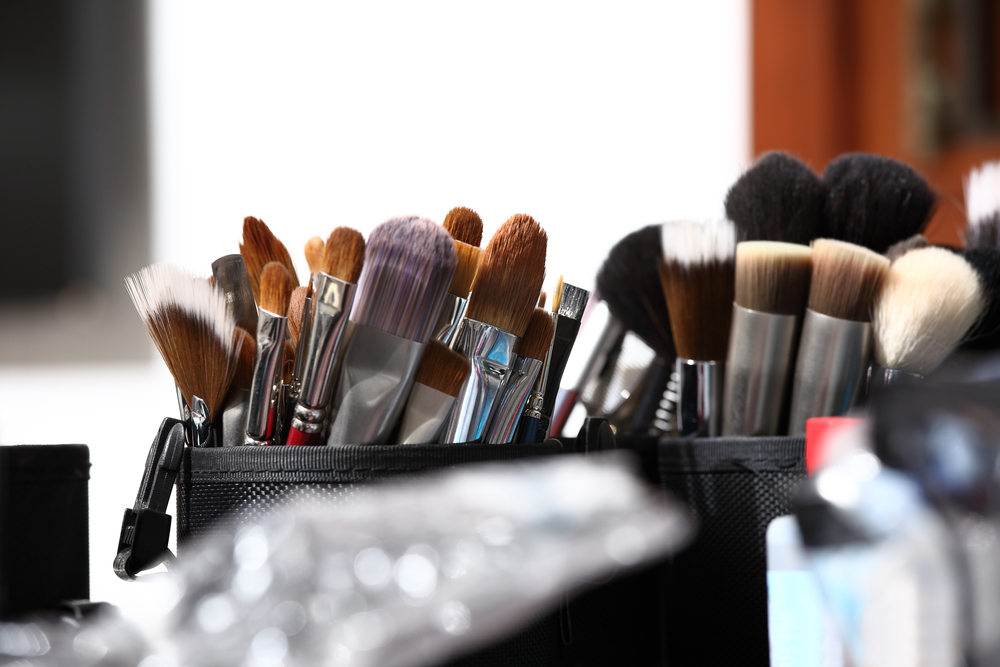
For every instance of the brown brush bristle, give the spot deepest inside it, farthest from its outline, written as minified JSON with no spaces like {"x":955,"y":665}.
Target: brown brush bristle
{"x":557,"y":295}
{"x":464,"y":225}
{"x":541,"y":300}
{"x":296,"y":306}
{"x":773,"y":277}
{"x":275,"y":288}
{"x":314,"y":254}
{"x":259,"y":247}
{"x":468,"y":257}
{"x":211,"y":280}
{"x":344,"y":254}
{"x":288,"y":365}
{"x":538,"y":336}
{"x":845,"y":279}
{"x":700,"y":311}
{"x":244,"y":364}
{"x":443,"y":369}
{"x":510,"y":276}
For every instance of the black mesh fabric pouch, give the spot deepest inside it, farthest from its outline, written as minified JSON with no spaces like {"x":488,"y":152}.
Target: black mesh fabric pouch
{"x":715,"y":591}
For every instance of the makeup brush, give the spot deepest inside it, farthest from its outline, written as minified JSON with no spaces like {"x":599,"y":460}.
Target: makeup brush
{"x":439,"y":378}
{"x":900,"y":248}
{"x":299,"y":323}
{"x":193,"y":330}
{"x":259,"y":247}
{"x":324,"y":335}
{"x":466,"y":228}
{"x":531,"y":351}
{"x":875,"y":201}
{"x":409,"y":266}
{"x":229,"y":273}
{"x":985,"y":335}
{"x":315,"y":247}
{"x":772,"y":288}
{"x":929,"y":300}
{"x":503,"y":299}
{"x":541,"y":300}
{"x":836,"y":333}
{"x":982,"y":206}
{"x":243,"y":376}
{"x":778,"y":199}
{"x":697,"y":274}
{"x":557,"y":294}
{"x":263,"y":413}
{"x":234,"y":410}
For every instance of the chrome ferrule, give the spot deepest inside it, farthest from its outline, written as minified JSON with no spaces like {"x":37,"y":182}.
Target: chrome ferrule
{"x":699,"y":402}
{"x":267,"y":362}
{"x":880,"y":377}
{"x":450,"y":319}
{"x":503,"y":424}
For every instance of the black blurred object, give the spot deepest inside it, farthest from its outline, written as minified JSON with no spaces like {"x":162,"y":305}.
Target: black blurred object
{"x":875,"y":201}
{"x":985,"y":335}
{"x":778,"y":199}
{"x":715,"y":592}
{"x":44,"y":532}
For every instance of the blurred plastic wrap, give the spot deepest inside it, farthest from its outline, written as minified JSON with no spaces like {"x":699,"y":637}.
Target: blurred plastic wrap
{"x":410,"y":574}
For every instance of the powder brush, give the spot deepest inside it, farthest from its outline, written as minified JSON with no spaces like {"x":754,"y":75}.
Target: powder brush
{"x":408,"y":267}
{"x":982,"y":206}
{"x":260,"y":246}
{"x":438,"y":379}
{"x":263,"y":415}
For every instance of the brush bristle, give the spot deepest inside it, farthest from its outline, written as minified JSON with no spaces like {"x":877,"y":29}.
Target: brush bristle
{"x":275,"y":288}
{"x":259,"y":247}
{"x":510,"y":276}
{"x":541,"y":299}
{"x":845,"y":279}
{"x":929,"y":300}
{"x":288,"y":363}
{"x":468,"y":257}
{"x":875,"y":201}
{"x":557,"y":294}
{"x":773,"y":277}
{"x":409,"y":265}
{"x":243,"y":377}
{"x":538,"y":336}
{"x":314,"y":254}
{"x":982,"y":206}
{"x":296,"y":308}
{"x":897,"y":250}
{"x":629,"y":281}
{"x":778,"y":199}
{"x":464,"y":225}
{"x":697,"y":274}
{"x":985,"y":335}
{"x":344,"y":254}
{"x":442,"y":369}
{"x":192,"y":329}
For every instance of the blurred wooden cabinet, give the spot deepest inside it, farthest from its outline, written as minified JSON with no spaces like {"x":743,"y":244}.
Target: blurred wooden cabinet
{"x":918,"y":80}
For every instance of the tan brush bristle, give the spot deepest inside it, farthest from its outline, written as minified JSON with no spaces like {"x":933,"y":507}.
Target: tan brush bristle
{"x":296,"y":306}
{"x":468,"y":257}
{"x":275,"y":288}
{"x":211,"y":280}
{"x":557,"y":295}
{"x":244,"y":365}
{"x":538,"y":336}
{"x":259,"y":247}
{"x":773,"y":277}
{"x":344,"y":254}
{"x":442,"y":369}
{"x":845,"y":279}
{"x":288,"y":366}
{"x":541,"y":300}
{"x":464,"y":225}
{"x":510,"y":276}
{"x":314,"y":254}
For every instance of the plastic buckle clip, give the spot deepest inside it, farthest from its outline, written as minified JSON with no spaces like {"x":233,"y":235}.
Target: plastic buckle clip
{"x":146,"y":526}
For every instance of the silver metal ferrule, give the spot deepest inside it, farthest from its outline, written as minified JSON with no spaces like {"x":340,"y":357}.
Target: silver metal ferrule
{"x":503,"y":425}
{"x":230,"y":273}
{"x":758,"y":371}
{"x":830,"y":370}
{"x":199,"y":424}
{"x":491,"y":351}
{"x":452,"y":312}
{"x":262,"y":408}
{"x":375,"y":380}
{"x":880,"y":377}
{"x":423,"y":418}
{"x":332,"y":299}
{"x":699,"y":402}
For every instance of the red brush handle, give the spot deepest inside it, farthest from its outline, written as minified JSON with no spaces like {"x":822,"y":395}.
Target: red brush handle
{"x":298,"y":438}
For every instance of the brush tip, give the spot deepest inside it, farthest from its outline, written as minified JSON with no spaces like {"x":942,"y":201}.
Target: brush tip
{"x":467,"y":257}
{"x":538,"y":336}
{"x":464,"y":225}
{"x":443,"y":369}
{"x":314,"y":254}
{"x":773,"y":277}
{"x":276,"y":288}
{"x":344,"y":254}
{"x":845,"y":279}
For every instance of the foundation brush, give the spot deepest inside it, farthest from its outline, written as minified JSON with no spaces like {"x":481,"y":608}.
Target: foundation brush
{"x":772,"y":288}
{"x":439,"y":378}
{"x":323,"y":333}
{"x":466,"y":227}
{"x":260,"y":246}
{"x":929,"y":301}
{"x":982,"y":206}
{"x":263,"y":411}
{"x":408,"y":267}
{"x":193,"y":330}
{"x":503,"y":299}
{"x":836,"y":332}
{"x":697,"y":273}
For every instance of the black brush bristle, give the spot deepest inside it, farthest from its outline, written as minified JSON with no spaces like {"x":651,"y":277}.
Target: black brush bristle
{"x":629,"y":281}
{"x":778,"y":199}
{"x":875,"y":201}
{"x":985,"y":335}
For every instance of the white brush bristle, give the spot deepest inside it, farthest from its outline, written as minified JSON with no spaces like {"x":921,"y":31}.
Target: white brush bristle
{"x":982,"y":193}
{"x":154,"y":287}
{"x":698,"y":242}
{"x":930,"y":298}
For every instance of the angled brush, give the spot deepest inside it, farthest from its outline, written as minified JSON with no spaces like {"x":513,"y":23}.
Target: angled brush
{"x":263,"y":414}
{"x":260,"y":246}
{"x":982,"y":206}
{"x":438,"y":379}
